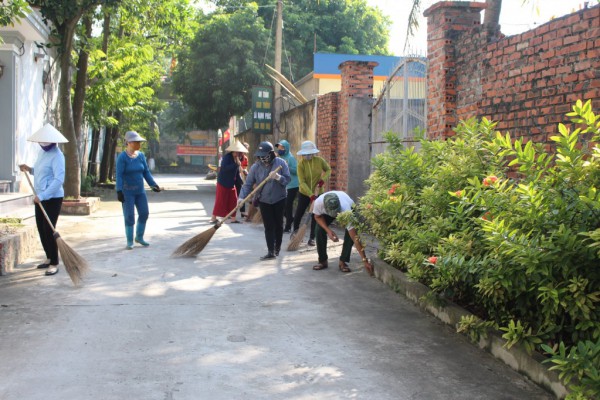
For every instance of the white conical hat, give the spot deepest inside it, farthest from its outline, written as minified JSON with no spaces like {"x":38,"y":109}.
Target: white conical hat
{"x":237,"y":146}
{"x":48,"y":134}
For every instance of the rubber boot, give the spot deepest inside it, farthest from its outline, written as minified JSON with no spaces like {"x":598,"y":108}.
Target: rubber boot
{"x":129,"y":235}
{"x":139,"y":234}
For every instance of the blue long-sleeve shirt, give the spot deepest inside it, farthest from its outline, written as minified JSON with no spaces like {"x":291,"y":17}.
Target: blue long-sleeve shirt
{"x":49,"y":174}
{"x":131,"y":173}
{"x":273,"y":191}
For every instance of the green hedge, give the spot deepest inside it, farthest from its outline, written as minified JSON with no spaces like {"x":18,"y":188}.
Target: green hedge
{"x":505,"y":228}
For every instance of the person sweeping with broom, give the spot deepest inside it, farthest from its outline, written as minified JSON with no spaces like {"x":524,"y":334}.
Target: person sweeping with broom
{"x":325,"y":210}
{"x":132,"y":170}
{"x":271,"y":198}
{"x":49,"y":176}
{"x":313,"y":171}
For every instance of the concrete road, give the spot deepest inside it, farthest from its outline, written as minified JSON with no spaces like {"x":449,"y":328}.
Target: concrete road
{"x":223,"y":325}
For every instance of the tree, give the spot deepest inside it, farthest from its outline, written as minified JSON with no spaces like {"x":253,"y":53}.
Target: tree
{"x":128,"y":64}
{"x":334,"y":26}
{"x":64,"y":16}
{"x":215,"y":74}
{"x":12,"y":11}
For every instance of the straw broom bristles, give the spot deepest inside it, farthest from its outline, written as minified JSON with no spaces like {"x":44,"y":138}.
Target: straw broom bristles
{"x":257,"y":217}
{"x":298,"y":235}
{"x":195,"y":245}
{"x":75,"y":265}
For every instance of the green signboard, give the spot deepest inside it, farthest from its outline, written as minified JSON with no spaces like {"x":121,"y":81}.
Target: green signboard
{"x":262,"y":109}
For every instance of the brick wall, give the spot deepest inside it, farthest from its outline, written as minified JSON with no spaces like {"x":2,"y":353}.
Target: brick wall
{"x":327,"y":132}
{"x":357,"y":82}
{"x":525,"y":82}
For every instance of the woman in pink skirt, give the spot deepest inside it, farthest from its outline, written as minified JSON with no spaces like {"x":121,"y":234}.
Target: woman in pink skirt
{"x":226,"y":198}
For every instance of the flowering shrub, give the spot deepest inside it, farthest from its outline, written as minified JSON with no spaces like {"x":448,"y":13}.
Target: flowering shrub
{"x":515,"y":230}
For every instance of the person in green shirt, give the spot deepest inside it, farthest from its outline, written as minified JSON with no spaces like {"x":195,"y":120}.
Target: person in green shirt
{"x":312,"y":171}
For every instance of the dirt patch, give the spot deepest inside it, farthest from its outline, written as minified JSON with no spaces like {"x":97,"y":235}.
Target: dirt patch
{"x":9,"y":226}
{"x":7,"y":230}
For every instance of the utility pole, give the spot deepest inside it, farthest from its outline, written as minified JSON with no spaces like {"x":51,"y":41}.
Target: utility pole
{"x":277,"y":89}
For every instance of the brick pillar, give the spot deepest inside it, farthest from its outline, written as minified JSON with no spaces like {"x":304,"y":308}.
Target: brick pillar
{"x":357,"y":82}
{"x":327,"y":130}
{"x":445,"y":22}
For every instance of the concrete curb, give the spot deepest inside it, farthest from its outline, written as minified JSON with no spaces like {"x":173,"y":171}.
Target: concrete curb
{"x":14,"y":249}
{"x":450,"y":313}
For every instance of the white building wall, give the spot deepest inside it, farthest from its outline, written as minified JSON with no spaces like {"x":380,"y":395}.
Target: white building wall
{"x":25,"y":102}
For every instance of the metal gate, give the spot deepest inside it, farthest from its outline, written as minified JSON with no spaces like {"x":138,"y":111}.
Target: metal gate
{"x":402,"y":105}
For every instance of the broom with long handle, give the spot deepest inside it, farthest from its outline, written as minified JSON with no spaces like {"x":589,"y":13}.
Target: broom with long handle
{"x":306,"y":221}
{"x":75,"y":265}
{"x":195,"y":245}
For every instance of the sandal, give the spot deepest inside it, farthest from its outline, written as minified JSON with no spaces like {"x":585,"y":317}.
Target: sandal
{"x":344,"y":267}
{"x":320,"y":266}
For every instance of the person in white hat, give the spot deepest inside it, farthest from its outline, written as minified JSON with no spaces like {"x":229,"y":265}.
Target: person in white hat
{"x":49,"y":176}
{"x":132,"y":170}
{"x":226,"y":196}
{"x":313,"y":171}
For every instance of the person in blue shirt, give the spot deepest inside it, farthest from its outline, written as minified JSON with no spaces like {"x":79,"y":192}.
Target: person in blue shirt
{"x":283,"y":149}
{"x":48,"y":178}
{"x":132,"y":170}
{"x":271,"y":197}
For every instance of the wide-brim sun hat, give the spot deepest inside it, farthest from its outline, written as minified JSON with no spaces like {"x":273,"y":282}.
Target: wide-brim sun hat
{"x":48,"y":134}
{"x":133,"y":136}
{"x":307,"y":148}
{"x":237,"y":146}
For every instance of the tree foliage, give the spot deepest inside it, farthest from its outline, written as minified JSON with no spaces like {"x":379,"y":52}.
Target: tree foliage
{"x":13,"y":10}
{"x":227,"y":56}
{"x":327,"y":26}
{"x":216,"y":73}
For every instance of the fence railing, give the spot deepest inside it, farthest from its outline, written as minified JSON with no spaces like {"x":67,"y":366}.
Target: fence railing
{"x":401,"y":106}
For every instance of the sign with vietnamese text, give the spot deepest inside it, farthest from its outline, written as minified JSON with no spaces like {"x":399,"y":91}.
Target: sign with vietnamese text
{"x":189,"y":150}
{"x":262,"y":105}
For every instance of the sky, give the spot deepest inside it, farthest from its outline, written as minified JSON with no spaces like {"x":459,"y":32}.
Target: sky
{"x":514,"y":18}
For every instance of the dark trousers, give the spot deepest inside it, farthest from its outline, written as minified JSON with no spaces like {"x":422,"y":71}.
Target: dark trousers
{"x":303,"y":203}
{"x":52,"y":207}
{"x":289,"y":207}
{"x":321,"y":239}
{"x":272,"y":216}
{"x":238,"y":189}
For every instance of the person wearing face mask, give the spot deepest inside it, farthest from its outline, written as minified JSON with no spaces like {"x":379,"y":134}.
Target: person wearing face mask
{"x":283,"y":149}
{"x":132,"y":170}
{"x":313,"y":171}
{"x":48,"y":178}
{"x":271,"y":198}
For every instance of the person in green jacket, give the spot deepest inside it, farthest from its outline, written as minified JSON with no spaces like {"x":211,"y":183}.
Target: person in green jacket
{"x":313,"y":171}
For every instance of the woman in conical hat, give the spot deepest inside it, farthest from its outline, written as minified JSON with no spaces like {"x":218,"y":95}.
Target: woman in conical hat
{"x":48,"y":178}
{"x":229,"y":173}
